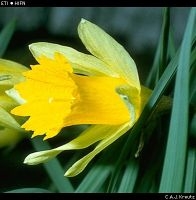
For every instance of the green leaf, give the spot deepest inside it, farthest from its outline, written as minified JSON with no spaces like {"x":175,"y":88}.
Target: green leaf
{"x":6,"y":35}
{"x":165,"y":40}
{"x":29,"y":190}
{"x":96,"y":177}
{"x":175,"y":157}
{"x":162,"y":52}
{"x":190,"y":175}
{"x":193,"y":126}
{"x":129,"y":177}
{"x":128,"y":147}
{"x":193,"y":80}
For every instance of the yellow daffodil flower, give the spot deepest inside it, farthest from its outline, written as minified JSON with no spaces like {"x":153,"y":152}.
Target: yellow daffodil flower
{"x":10,"y":130}
{"x":68,"y":87}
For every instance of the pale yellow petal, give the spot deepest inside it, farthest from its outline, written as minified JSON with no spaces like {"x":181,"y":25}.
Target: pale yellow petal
{"x":14,"y":94}
{"x":7,"y":103}
{"x":82,"y":63}
{"x":41,"y":156}
{"x":8,"y":121}
{"x":80,"y":165}
{"x":92,"y":134}
{"x":88,"y":137}
{"x":104,"y":47}
{"x":11,"y":72}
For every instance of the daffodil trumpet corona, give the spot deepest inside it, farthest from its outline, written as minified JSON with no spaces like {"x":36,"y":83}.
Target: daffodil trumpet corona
{"x":67,"y":87}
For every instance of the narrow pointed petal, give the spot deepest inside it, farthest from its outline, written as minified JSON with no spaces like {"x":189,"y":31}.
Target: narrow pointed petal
{"x":91,"y":135}
{"x":80,"y":165}
{"x":82,"y":63}
{"x":104,"y":47}
{"x":41,"y":156}
{"x":88,"y":137}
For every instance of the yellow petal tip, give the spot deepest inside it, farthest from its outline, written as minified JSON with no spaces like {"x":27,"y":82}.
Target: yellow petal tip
{"x":83,"y":20}
{"x":71,"y":173}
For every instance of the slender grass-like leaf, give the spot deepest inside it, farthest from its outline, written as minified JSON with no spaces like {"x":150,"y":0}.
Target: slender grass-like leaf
{"x":95,"y":179}
{"x":164,"y":45}
{"x":147,"y":182}
{"x":151,"y":158}
{"x":54,"y":168}
{"x":6,"y":35}
{"x":193,"y":80}
{"x":160,"y":60}
{"x":190,"y":175}
{"x":174,"y":164}
{"x":193,"y":126}
{"x":129,"y":177}
{"x":127,"y":147}
{"x":171,"y":46}
{"x":29,"y":190}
